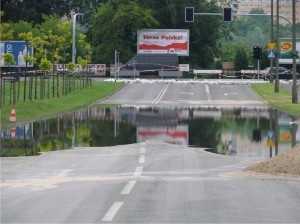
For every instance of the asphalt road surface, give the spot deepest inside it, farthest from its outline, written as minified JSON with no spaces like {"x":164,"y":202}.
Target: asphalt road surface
{"x":191,"y":94}
{"x":142,"y":183}
{"x":148,"y":182}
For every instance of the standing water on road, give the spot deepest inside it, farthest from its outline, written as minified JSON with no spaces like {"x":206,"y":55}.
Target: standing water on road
{"x":246,"y":132}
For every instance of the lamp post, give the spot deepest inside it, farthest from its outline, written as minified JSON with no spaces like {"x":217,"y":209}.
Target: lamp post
{"x":74,"y":30}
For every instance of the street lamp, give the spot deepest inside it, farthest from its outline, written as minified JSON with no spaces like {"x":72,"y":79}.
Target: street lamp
{"x":73,"y":44}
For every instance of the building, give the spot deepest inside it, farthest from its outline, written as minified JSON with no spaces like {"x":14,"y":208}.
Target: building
{"x":151,"y":65}
{"x":285,"y":8}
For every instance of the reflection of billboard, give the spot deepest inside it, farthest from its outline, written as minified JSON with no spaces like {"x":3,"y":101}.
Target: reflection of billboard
{"x":163,"y":41}
{"x":285,"y":133}
{"x":175,"y":135}
{"x":18,"y":49}
{"x":285,"y":51}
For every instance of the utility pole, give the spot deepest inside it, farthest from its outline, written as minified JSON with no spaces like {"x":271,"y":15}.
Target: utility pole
{"x":277,"y":47}
{"x":74,"y":31}
{"x":294,"y":87}
{"x":272,"y":40}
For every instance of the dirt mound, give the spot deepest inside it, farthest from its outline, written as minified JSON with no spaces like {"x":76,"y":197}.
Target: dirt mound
{"x":287,"y":163}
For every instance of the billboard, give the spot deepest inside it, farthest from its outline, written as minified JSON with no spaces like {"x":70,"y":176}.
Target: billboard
{"x":18,"y":49}
{"x":163,"y":41}
{"x":285,"y":51}
{"x":172,"y":135}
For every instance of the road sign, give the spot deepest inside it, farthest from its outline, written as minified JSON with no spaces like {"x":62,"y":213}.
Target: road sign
{"x":285,"y":133}
{"x":270,"y":139}
{"x":184,"y":67}
{"x":271,"y":46}
{"x":100,"y":68}
{"x":271,"y":54}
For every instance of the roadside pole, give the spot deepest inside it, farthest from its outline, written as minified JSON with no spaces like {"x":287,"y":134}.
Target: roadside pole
{"x":295,"y":87}
{"x":73,"y":42}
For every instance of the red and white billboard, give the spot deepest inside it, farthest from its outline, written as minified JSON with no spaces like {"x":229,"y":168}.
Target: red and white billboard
{"x":163,"y":41}
{"x":173,"y":135}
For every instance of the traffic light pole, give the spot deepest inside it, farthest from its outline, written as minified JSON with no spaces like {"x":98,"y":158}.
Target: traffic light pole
{"x":258,"y":68}
{"x":227,"y":14}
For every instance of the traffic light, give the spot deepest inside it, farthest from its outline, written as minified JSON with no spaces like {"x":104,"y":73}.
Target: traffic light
{"x":256,"y":135}
{"x":189,"y":14}
{"x":257,"y":52}
{"x":227,"y":14}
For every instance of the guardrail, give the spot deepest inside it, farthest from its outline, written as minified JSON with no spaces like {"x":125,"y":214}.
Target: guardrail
{"x":249,"y":74}
{"x":207,"y":72}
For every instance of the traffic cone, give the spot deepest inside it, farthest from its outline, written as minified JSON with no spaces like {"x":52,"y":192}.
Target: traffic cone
{"x":13,"y":134}
{"x":12,"y":117}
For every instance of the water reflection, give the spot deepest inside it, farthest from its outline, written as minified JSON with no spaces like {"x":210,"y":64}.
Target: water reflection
{"x":247,"y":132}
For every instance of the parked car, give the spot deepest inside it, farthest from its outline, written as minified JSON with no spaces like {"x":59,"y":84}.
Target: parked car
{"x":283,"y":73}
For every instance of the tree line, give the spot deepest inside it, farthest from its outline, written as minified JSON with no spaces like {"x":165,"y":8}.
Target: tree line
{"x":109,"y":25}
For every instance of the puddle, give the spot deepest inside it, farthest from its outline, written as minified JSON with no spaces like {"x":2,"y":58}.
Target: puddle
{"x":246,"y":132}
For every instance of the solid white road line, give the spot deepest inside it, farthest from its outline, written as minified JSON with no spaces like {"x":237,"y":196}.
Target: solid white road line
{"x":112,"y":212}
{"x":160,"y":95}
{"x":142,"y":159}
{"x":138,"y":171}
{"x":128,"y":187}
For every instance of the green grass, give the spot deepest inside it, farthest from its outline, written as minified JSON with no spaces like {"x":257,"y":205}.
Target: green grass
{"x":281,"y":100}
{"x":35,"y":109}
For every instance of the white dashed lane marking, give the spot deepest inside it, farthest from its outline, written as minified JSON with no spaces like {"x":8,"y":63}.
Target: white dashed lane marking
{"x":108,"y":217}
{"x":128,"y":187}
{"x":142,"y":150}
{"x":138,"y":171}
{"x":112,"y":211}
{"x":142,"y":159}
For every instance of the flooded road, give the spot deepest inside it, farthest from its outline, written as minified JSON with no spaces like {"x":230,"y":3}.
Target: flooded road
{"x":246,"y":132}
{"x":97,"y":174}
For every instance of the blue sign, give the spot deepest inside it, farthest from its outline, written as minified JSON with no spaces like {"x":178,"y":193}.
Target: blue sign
{"x":18,"y":49}
{"x":271,"y":54}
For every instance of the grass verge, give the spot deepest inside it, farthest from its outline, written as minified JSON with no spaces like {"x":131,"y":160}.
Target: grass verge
{"x":31,"y":110}
{"x":281,"y":101}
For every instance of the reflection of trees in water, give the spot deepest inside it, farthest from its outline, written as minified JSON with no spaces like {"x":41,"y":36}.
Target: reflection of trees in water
{"x":204,"y":132}
{"x":224,"y":147}
{"x":103,"y":133}
{"x":89,"y":128}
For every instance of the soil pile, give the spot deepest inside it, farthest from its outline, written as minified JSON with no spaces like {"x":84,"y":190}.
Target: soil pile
{"x":287,"y":163}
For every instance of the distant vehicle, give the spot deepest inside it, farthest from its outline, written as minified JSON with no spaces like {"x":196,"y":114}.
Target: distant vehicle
{"x":283,"y":73}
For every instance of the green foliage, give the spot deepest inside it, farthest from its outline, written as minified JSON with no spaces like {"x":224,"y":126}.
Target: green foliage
{"x":83,"y":62}
{"x":33,"y":10}
{"x":71,"y":66}
{"x":241,"y":60}
{"x":6,"y":32}
{"x":115,"y":26}
{"x":9,"y":59}
{"x":45,"y":65}
{"x":21,"y":27}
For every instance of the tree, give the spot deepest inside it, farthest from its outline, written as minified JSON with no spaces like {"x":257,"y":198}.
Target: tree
{"x":9,"y":59}
{"x":241,"y":60}
{"x":6,"y":32}
{"x":33,"y":10}
{"x":115,"y":26}
{"x":27,"y":37}
{"x":46,"y":66}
